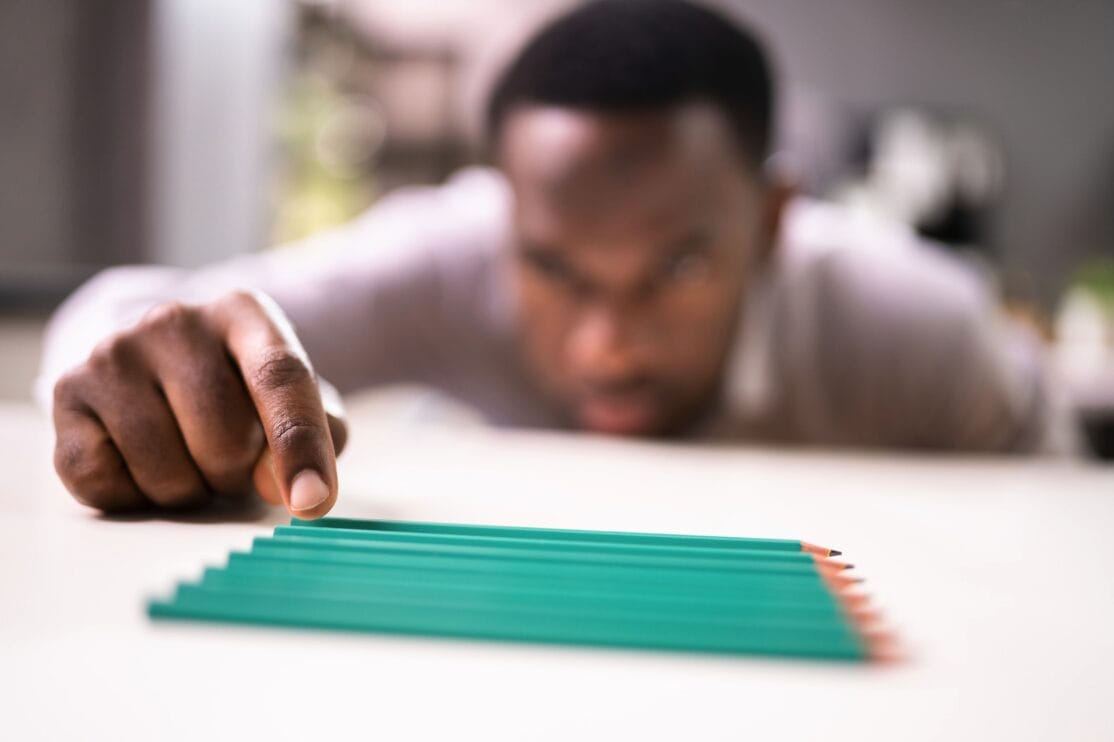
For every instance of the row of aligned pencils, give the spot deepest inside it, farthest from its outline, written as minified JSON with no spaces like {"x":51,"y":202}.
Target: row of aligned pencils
{"x":694,"y":593}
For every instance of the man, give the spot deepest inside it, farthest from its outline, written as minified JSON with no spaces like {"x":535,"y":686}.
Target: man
{"x":634,"y":267}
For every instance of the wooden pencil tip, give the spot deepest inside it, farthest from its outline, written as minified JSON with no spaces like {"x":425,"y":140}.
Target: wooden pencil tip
{"x":820,"y":551}
{"x":830,"y":564}
{"x":839,"y":582}
{"x":853,"y":600}
{"x":865,"y":617}
{"x":882,"y":646}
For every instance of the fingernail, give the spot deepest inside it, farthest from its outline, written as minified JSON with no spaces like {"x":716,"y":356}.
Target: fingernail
{"x":308,"y":490}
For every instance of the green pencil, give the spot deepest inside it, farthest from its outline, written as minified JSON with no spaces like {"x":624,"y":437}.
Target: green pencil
{"x":445,"y":594}
{"x":732,"y":587}
{"x":741,"y":561}
{"x":272,"y":571}
{"x":404,"y":539}
{"x":664,"y":591}
{"x":762,"y":574}
{"x":512,"y":604}
{"x":283,"y":609}
{"x":707,"y":542}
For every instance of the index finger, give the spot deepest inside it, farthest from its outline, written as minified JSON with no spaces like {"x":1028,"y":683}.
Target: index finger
{"x":283,"y":389}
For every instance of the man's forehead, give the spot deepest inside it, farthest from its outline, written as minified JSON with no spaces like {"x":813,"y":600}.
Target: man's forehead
{"x":555,"y":144}
{"x":570,"y":165}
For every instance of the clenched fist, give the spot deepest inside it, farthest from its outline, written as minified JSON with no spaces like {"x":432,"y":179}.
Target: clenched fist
{"x":197,"y":401}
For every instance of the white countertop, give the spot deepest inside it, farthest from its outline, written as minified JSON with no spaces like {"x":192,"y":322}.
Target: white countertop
{"x":995,"y":573}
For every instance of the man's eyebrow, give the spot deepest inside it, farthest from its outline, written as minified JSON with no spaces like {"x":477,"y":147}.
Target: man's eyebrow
{"x":692,"y":239}
{"x":531,"y":245}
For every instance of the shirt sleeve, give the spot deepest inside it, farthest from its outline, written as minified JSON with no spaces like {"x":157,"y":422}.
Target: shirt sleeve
{"x":373,"y":302}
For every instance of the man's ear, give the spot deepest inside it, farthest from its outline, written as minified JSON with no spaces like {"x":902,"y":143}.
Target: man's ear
{"x":779,"y":191}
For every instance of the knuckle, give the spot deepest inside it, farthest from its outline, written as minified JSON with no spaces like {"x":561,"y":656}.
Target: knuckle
{"x":87,"y":472}
{"x":238,"y":299}
{"x":173,"y":318}
{"x":72,"y":459}
{"x":115,"y":352}
{"x":277,"y":368}
{"x":295,"y":434}
{"x":67,"y":390}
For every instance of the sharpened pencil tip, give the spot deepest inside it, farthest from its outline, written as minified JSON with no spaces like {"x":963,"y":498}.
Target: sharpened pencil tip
{"x":834,"y":552}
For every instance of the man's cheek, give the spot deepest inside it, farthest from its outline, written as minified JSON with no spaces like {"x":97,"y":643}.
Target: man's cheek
{"x":547,"y":356}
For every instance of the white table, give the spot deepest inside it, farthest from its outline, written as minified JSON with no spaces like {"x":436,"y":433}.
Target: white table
{"x":996,"y":573}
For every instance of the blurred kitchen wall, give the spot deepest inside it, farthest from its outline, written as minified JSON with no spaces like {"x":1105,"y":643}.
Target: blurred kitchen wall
{"x":216,"y":75}
{"x":1039,"y":75}
{"x":132,"y":131}
{"x":73,"y":106}
{"x":140,"y":129}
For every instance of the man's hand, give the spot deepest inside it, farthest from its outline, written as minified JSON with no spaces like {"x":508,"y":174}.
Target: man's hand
{"x":196,"y":401}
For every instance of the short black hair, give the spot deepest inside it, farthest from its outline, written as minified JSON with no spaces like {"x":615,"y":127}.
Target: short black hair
{"x":641,"y":55}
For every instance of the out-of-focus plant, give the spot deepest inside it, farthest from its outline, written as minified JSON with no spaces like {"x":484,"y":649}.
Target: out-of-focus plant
{"x":1085,"y":328}
{"x":1097,"y":279}
{"x":328,"y":132}
{"x":328,"y":142}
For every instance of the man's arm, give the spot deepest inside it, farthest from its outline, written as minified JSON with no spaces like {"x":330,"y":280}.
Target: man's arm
{"x":363,"y":298}
{"x":149,"y":369}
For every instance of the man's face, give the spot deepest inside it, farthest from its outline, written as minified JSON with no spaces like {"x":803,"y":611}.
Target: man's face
{"x":636,"y":234}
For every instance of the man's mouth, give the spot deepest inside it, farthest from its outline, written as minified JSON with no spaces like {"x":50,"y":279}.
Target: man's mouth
{"x":627,"y":415}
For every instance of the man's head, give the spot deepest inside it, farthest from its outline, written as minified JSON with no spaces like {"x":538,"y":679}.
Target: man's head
{"x":634,"y":136}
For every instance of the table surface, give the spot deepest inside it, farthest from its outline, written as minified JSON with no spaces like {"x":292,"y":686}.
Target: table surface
{"x":995,"y":573}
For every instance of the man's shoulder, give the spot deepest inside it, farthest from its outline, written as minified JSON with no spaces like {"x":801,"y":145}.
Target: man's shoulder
{"x":859,"y":275}
{"x":878,"y":332}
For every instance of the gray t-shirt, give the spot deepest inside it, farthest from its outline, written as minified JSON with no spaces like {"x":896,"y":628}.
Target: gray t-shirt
{"x":854,"y":334}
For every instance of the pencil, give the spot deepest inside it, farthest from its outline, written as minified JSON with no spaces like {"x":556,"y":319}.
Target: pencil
{"x":455,"y":562}
{"x":664,"y":591}
{"x":623,"y":537}
{"x":837,"y":641}
{"x":421,"y":540}
{"x":737,"y":587}
{"x":754,"y":559}
{"x":395,"y":582}
{"x":514,"y":604}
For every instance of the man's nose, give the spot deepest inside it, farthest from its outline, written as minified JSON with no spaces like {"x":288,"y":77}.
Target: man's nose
{"x":607,"y":342}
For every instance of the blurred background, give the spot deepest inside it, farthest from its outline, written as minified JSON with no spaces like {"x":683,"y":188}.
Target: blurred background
{"x":184,"y":131}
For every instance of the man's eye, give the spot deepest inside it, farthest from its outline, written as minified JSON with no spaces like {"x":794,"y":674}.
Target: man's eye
{"x":549,"y":266}
{"x":690,"y":265}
